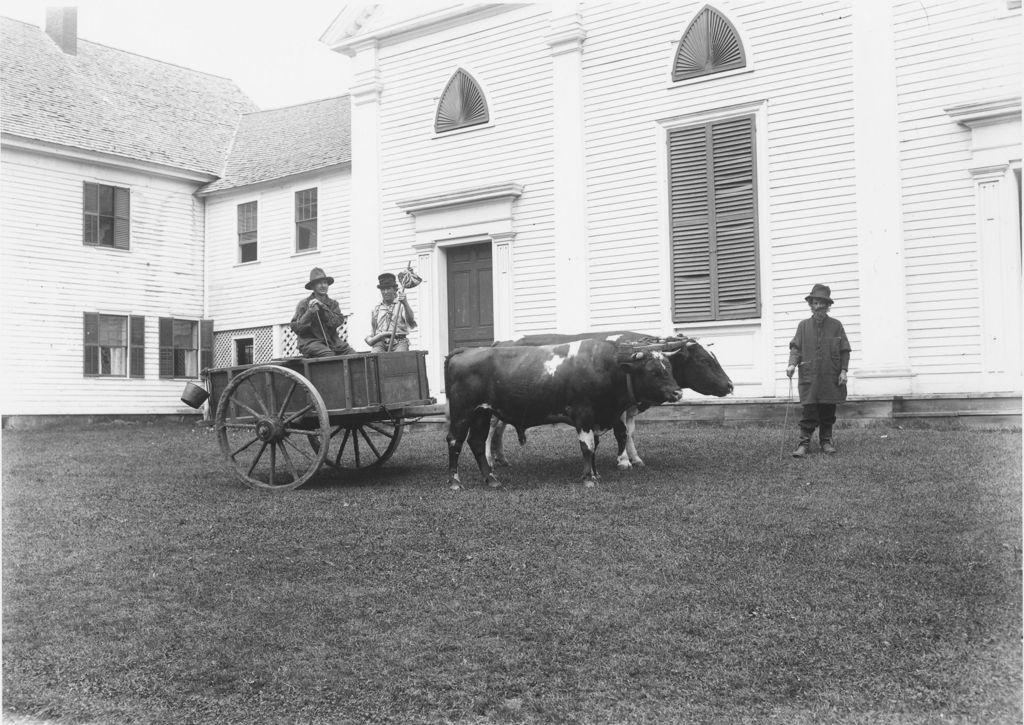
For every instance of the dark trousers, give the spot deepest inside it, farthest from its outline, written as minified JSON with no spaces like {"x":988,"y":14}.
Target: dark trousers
{"x":817,"y":415}
{"x":315,"y":348}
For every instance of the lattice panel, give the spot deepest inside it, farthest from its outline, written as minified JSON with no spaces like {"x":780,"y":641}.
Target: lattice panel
{"x":289,"y":348}
{"x":262,"y":345}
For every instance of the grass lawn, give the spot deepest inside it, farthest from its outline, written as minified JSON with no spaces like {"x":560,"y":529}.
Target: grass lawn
{"x":723,"y":583}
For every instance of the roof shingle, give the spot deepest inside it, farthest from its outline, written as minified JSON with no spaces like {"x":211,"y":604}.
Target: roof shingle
{"x":111,"y":101}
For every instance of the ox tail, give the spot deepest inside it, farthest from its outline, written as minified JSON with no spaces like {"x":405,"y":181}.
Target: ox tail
{"x":521,"y":433}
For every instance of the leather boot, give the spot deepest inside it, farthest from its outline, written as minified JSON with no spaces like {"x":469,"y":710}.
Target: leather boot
{"x":825,"y":438}
{"x":801,"y":450}
{"x":827,"y":447}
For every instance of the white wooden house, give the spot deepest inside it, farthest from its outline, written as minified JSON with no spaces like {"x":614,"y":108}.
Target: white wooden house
{"x":664,"y":167}
{"x":102,"y":242}
{"x":696,"y":168}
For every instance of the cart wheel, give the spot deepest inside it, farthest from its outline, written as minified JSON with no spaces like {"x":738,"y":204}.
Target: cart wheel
{"x":358,"y":444}
{"x":264,"y":415}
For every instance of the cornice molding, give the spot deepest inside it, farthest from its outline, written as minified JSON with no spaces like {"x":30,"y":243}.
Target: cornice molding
{"x":71,"y":153}
{"x":507,"y":191}
{"x":987,"y":112}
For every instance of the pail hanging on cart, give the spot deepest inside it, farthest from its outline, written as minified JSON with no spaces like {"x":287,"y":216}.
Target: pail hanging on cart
{"x":194,"y":395}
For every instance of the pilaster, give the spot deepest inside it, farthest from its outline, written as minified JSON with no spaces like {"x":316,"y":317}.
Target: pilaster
{"x":566,"y":42}
{"x":881,"y":366}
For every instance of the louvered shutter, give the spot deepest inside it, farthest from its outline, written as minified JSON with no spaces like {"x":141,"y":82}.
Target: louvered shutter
{"x":166,"y":347}
{"x":136,"y":346}
{"x":205,"y":344}
{"x":709,"y":45}
{"x":122,"y":225}
{"x":462,"y":104}
{"x":714,"y":221}
{"x":90,"y":342}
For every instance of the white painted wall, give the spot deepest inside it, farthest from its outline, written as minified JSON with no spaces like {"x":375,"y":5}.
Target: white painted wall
{"x":49,"y":279}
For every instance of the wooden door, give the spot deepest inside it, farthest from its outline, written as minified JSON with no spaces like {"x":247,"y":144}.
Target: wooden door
{"x":470,"y":296}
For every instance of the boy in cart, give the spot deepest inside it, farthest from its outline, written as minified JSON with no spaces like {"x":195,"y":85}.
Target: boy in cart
{"x":317,"y":318}
{"x":392,"y":319}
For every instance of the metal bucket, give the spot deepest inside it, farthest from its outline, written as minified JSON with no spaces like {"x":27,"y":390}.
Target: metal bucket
{"x":194,"y":395}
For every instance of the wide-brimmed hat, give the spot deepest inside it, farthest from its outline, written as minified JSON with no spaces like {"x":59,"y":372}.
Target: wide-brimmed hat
{"x":820,"y":292}
{"x":386,"y":280}
{"x":315,"y":275}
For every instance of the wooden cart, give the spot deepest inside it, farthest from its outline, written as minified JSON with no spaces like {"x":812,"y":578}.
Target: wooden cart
{"x":278,"y":423}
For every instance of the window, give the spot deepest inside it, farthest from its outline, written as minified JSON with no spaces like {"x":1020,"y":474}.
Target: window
{"x":105,"y":216}
{"x":709,"y":45}
{"x":462,"y":104}
{"x":114,"y":345}
{"x":713,"y":210}
{"x":186,"y":347}
{"x":247,"y":232}
{"x":305,"y":220}
{"x":243,"y":350}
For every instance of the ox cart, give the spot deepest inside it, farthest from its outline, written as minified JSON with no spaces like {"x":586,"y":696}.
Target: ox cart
{"x":278,"y":423}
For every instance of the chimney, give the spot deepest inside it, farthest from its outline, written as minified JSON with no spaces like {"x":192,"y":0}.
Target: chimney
{"x":62,"y":27}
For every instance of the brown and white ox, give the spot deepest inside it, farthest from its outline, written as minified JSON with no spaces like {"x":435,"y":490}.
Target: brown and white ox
{"x":693,"y":367}
{"x":585,"y":383}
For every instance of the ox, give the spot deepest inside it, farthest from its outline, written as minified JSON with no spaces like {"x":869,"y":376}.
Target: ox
{"x":692,"y":366}
{"x":586,"y":383}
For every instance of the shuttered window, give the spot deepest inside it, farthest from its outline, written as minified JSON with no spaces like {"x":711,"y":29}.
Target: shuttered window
{"x":114,"y":345}
{"x":247,"y":249}
{"x":186,"y":347}
{"x":709,"y":45}
{"x":713,"y":210}
{"x":105,"y":216}
{"x":462,"y":104}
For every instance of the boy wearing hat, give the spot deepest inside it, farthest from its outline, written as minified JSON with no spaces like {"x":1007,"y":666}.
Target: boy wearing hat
{"x":317,"y":318}
{"x":391,"y":319}
{"x":821,"y":351}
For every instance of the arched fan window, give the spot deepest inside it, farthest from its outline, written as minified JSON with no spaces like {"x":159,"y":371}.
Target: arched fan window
{"x":709,"y":45}
{"x":462,"y":104}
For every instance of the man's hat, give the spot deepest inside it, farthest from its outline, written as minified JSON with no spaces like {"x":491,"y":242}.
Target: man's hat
{"x":316,"y":275}
{"x":820,"y":292}
{"x":386,"y":280}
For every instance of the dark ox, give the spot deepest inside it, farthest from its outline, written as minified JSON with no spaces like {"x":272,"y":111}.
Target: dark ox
{"x":692,"y":367}
{"x":585,"y":383}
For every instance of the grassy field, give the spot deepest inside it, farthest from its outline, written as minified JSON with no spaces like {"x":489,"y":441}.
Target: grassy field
{"x":723,"y":583}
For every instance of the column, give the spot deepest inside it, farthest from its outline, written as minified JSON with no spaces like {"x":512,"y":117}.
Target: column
{"x":881,"y":366}
{"x":566,"y":42}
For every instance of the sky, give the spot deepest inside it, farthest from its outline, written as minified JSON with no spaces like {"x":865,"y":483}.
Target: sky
{"x":270,"y":49}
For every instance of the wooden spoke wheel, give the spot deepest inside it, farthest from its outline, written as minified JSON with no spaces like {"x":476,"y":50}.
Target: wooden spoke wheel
{"x":264,"y":417}
{"x":361,"y":443}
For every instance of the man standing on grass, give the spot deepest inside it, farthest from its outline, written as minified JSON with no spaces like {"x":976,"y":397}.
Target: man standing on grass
{"x":822,"y":353}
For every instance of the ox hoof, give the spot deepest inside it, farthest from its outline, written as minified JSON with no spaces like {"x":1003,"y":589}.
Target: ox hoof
{"x":624,"y":465}
{"x":638,"y":463}
{"x":493,"y":482}
{"x":589,"y":483}
{"x":501,"y":462}
{"x":454,"y":483}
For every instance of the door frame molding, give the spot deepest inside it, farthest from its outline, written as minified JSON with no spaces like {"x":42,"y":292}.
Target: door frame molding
{"x":442,"y":221}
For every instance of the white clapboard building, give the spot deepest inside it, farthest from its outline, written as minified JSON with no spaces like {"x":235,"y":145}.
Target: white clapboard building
{"x":669,"y":168}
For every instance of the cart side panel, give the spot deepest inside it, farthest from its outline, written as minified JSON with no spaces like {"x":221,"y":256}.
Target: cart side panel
{"x":346,"y":382}
{"x":403,"y":376}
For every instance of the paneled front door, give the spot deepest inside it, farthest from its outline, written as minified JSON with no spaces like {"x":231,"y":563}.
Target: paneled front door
{"x":470,"y":296}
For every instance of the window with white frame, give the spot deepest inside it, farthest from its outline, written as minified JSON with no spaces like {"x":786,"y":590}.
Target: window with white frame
{"x":114,"y":345}
{"x":186,"y":347}
{"x":305,"y":220}
{"x":247,"y":246}
{"x":105,"y":215}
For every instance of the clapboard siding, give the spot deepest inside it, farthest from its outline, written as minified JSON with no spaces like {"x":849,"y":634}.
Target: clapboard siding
{"x":267,"y":290}
{"x":802,"y":61}
{"x":946,"y":53}
{"x":45,"y":263}
{"x":507,"y":57}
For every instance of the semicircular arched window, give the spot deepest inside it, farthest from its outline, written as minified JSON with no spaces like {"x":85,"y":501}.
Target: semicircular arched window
{"x":709,"y":45}
{"x":462,"y":104}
